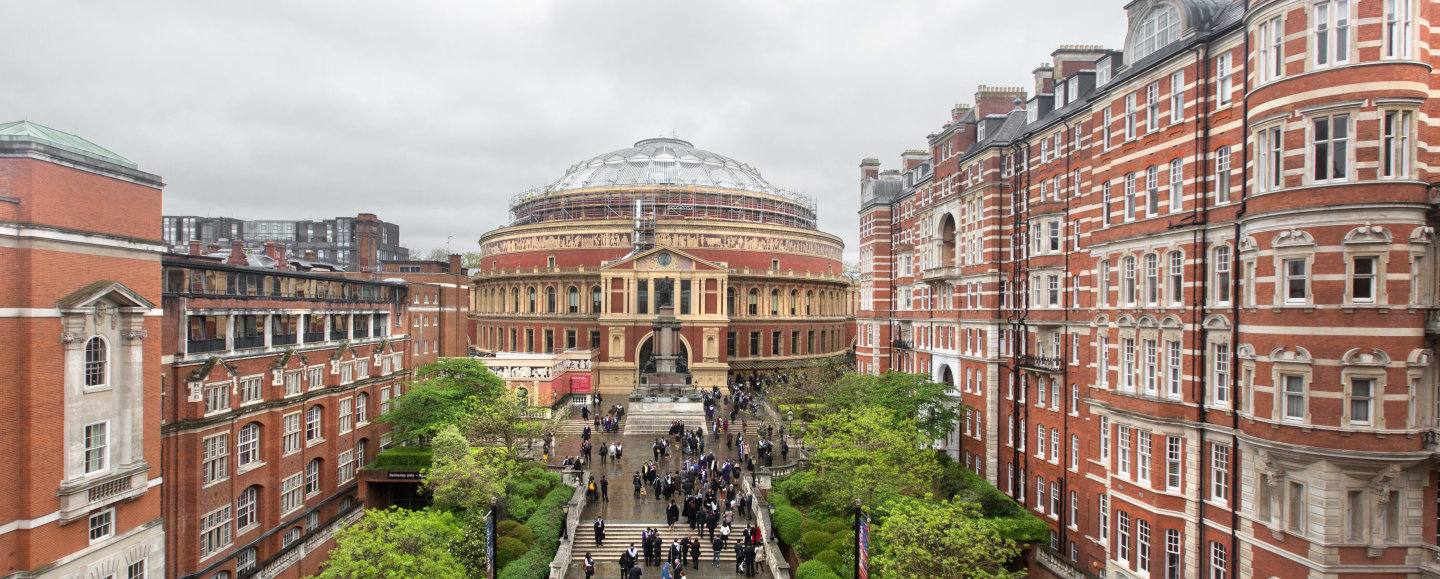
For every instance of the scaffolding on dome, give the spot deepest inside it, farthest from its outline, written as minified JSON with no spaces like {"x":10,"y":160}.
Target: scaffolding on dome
{"x":670,"y":203}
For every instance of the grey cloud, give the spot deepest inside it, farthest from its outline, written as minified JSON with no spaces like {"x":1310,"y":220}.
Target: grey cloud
{"x":432,"y":114}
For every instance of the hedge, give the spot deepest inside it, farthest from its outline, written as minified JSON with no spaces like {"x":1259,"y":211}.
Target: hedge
{"x":814,"y":542}
{"x":402,"y":458}
{"x":815,"y":570}
{"x":508,"y":549}
{"x":518,"y":531}
{"x":787,"y":523}
{"x":834,"y":560}
{"x":545,"y":524}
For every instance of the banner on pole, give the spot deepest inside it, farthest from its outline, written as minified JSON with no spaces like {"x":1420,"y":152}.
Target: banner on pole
{"x":862,"y":555}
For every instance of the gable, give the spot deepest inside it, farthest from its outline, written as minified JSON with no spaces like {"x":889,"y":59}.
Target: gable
{"x":664,"y":259}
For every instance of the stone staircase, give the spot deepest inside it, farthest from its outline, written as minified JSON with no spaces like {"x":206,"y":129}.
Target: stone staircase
{"x":620,"y":534}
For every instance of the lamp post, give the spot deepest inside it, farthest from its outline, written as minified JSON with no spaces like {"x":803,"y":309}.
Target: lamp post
{"x":770,"y":506}
{"x":565,"y":521}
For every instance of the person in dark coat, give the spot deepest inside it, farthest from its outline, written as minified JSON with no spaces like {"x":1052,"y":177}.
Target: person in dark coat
{"x":672,"y":514}
{"x":599,"y":531}
{"x":739,"y":554}
{"x":717,"y":546}
{"x":659,"y":547}
{"x":784,"y":448}
{"x":634,"y":572}
{"x":647,"y":548}
{"x":626,"y":561}
{"x":674,"y":551}
{"x":604,"y":489}
{"x":750,"y":560}
{"x":636,"y":481}
{"x":684,"y":550}
{"x":695,"y":553}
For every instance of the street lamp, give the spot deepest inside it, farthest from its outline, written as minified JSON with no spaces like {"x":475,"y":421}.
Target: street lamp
{"x":565,"y":518}
{"x":770,"y":506}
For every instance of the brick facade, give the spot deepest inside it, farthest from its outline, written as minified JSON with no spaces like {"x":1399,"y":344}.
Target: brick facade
{"x":1188,"y":290}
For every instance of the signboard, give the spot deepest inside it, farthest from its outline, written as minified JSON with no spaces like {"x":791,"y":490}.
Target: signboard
{"x":402,"y":475}
{"x":579,"y":384}
{"x":490,"y":542}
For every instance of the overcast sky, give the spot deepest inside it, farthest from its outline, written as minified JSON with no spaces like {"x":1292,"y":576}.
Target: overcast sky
{"x":432,"y":114}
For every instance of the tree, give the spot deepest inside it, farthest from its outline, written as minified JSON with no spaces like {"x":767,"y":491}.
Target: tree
{"x":923,"y":539}
{"x":904,"y":395}
{"x":444,"y":392}
{"x":396,"y":543}
{"x":465,"y":478}
{"x":505,"y":420}
{"x":867,"y":454}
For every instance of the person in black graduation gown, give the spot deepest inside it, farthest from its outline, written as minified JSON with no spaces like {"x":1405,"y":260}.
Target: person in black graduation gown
{"x":672,"y":514}
{"x":695,"y":553}
{"x":599,"y":531}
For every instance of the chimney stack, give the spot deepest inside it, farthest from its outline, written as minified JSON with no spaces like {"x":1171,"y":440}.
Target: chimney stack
{"x":869,"y":168}
{"x":913,"y":158}
{"x":994,"y":100}
{"x":195,"y":247}
{"x":1044,"y":79}
{"x":283,"y":262}
{"x":237,"y":253}
{"x":455,"y":263}
{"x":309,"y":255}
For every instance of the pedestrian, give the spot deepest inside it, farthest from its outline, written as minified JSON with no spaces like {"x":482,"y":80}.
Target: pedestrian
{"x":604,"y":489}
{"x":739,"y":556}
{"x":665,"y":572}
{"x":634,"y":572}
{"x":695,"y":554}
{"x":750,"y":560}
{"x":589,"y":565}
{"x":674,"y":551}
{"x":636,"y":481}
{"x":716,"y":546}
{"x":684,"y":550}
{"x":599,"y":531}
{"x":672,"y":514}
{"x":784,"y":448}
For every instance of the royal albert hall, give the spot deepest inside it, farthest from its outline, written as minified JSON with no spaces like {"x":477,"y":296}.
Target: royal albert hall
{"x":588,"y":263}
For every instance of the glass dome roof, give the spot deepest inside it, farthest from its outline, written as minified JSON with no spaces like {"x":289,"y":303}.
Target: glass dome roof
{"x":664,"y":161}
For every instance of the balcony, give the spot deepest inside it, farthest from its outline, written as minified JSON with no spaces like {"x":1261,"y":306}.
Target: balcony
{"x":1432,"y":320}
{"x":79,"y":497}
{"x":312,"y":337}
{"x":1057,"y":564}
{"x":340,"y":335}
{"x":940,"y":273}
{"x":210,"y":345}
{"x":242,"y":342}
{"x":901,"y":345}
{"x":360,"y":333}
{"x":282,"y":339}
{"x":1040,"y":363}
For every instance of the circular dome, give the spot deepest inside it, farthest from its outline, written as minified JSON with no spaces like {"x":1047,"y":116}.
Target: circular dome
{"x":663,"y":161}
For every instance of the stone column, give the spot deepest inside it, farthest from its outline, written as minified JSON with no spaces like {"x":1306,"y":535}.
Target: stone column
{"x":130,"y":389}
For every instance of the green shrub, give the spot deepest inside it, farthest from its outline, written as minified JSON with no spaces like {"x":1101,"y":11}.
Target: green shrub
{"x":834,"y":560}
{"x":778,"y":499}
{"x":504,"y":527}
{"x":814,"y":542}
{"x":508,"y":549}
{"x":799,"y":488}
{"x":815,"y":570}
{"x":842,"y":544}
{"x":810,"y":525}
{"x":519,"y":531}
{"x":787,"y":523}
{"x":545,"y":524}
{"x":833,"y":527}
{"x":402,"y":458}
{"x":520,"y":508}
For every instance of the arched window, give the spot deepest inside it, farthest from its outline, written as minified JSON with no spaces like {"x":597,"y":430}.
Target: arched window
{"x":754,"y":302}
{"x":549,"y":300}
{"x":794,"y":301}
{"x":730,"y":302}
{"x":1176,"y":279}
{"x":532,"y":300}
{"x":1152,"y":279}
{"x":362,"y":407}
{"x":360,"y":452}
{"x":245,"y":514}
{"x":290,"y":537}
{"x":97,"y":357}
{"x":1159,"y":28}
{"x":312,"y":477}
{"x":502,"y":299}
{"x":515,"y":300}
{"x":595,"y":300}
{"x":247,"y":449}
{"x":573,"y":301}
{"x":809,"y":297}
{"x":775,"y":302}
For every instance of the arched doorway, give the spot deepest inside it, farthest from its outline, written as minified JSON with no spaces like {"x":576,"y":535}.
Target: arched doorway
{"x":946,"y":376}
{"x":947,"y":241}
{"x":682,"y":363}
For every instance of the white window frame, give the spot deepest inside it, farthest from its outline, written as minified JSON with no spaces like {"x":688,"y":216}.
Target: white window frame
{"x":1174,"y":453}
{"x":291,"y":432}
{"x":291,"y":493}
{"x":104,"y":523}
{"x":1399,"y":17}
{"x":100,"y":451}
{"x":1224,"y":79}
{"x":1219,"y":472}
{"x":215,"y":458}
{"x":1336,"y":146}
{"x":1396,"y":148}
{"x":1177,"y":96}
{"x":215,"y":532}
{"x":314,"y":423}
{"x":1330,"y":33}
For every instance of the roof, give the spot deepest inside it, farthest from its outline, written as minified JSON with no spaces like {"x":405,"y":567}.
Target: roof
{"x":37,"y":133}
{"x":664,"y":161}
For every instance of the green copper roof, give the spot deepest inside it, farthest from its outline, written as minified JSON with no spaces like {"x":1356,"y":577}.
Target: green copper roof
{"x":28,"y":131}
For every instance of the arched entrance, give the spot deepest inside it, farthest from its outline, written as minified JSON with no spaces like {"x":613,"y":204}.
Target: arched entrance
{"x":682,"y":363}
{"x":946,"y":376}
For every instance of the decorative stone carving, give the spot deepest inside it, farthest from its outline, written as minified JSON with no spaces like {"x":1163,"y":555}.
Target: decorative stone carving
{"x":134,"y":334}
{"x":70,"y":337}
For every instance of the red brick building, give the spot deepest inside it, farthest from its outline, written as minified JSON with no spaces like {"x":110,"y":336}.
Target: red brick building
{"x":80,"y":347}
{"x":1189,"y":290}
{"x":272,"y":381}
{"x":585,"y":261}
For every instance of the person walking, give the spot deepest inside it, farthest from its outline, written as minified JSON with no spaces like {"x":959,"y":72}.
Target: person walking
{"x":589,"y":565}
{"x":695,"y":554}
{"x":604,"y":489}
{"x":672,"y":514}
{"x":716,"y":546}
{"x":636,"y":480}
{"x":750,"y":560}
{"x":599,"y":531}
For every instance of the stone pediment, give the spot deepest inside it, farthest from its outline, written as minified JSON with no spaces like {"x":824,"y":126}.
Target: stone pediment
{"x":114,"y":291}
{"x":663,"y":259}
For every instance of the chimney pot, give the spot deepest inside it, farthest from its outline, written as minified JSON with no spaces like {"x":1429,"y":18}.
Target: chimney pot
{"x":237,"y":253}
{"x":195,"y":247}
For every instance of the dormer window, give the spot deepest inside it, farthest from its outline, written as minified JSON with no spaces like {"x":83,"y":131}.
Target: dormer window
{"x":979,"y":131}
{"x":1102,"y":71}
{"x":1159,"y":28}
